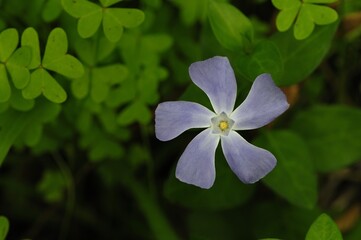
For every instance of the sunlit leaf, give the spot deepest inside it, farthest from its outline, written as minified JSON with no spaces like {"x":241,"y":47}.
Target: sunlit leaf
{"x":324,"y":228}
{"x":30,"y":39}
{"x":9,"y":40}
{"x":16,"y":67}
{"x":89,"y":23}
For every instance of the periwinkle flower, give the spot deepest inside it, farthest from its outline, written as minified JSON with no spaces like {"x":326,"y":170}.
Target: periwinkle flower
{"x":216,"y":78}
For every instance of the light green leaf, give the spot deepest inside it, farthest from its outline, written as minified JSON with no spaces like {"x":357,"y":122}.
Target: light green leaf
{"x":324,"y":228}
{"x":135,"y":112}
{"x":231,"y":27}
{"x":89,"y":23}
{"x":56,"y":46}
{"x":331,"y":132}
{"x":41,"y":82}
{"x":5,"y":90}
{"x":304,"y":25}
{"x":79,"y":8}
{"x":30,"y":39}
{"x":56,"y":59}
{"x":4,"y":227}
{"x":265,"y":58}
{"x":107,"y":3}
{"x":302,"y":55}
{"x":321,"y":15}
{"x":286,"y":4}
{"x":286,"y":17}
{"x":16,"y":67}
{"x":115,"y":19}
{"x":67,"y":66}
{"x":9,"y":39}
{"x":294,"y":177}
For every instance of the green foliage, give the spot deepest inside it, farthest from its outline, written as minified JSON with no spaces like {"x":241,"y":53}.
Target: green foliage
{"x":4,"y":227}
{"x":323,"y":228}
{"x":231,"y":27}
{"x":51,"y":186}
{"x":308,"y":13}
{"x":294,"y":177}
{"x":330,"y":133}
{"x":91,"y":16}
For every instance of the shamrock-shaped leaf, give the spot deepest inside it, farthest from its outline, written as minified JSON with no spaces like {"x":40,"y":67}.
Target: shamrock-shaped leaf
{"x":51,"y":10}
{"x":14,"y":61}
{"x":137,"y":111}
{"x":305,"y":14}
{"x":55,"y":59}
{"x":91,"y":16}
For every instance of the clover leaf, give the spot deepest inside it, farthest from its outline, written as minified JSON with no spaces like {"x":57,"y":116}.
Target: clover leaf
{"x":4,"y":227}
{"x":55,"y":59}
{"x":13,"y":62}
{"x":305,"y":15}
{"x":91,"y":16}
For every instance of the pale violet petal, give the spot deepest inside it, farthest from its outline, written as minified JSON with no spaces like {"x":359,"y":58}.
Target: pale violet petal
{"x":173,"y":118}
{"x":196,"y":165}
{"x":248,"y":162}
{"x":216,"y":78}
{"x":264,"y":103}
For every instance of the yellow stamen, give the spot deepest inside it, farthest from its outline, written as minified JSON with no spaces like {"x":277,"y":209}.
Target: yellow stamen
{"x":223,"y":125}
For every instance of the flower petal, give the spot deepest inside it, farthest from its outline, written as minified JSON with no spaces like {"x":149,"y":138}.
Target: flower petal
{"x":264,"y":103}
{"x":248,"y":162}
{"x":196,"y":165}
{"x":173,"y":118}
{"x":216,"y":78}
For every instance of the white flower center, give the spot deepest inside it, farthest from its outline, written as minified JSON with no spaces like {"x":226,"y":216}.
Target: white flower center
{"x":222,"y":124}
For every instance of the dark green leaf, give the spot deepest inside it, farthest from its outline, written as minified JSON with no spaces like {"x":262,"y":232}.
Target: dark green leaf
{"x":331,"y":133}
{"x":294,"y":177}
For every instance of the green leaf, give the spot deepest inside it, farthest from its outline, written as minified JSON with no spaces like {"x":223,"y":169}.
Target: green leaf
{"x":105,"y":77}
{"x":30,"y":39}
{"x":41,"y":82}
{"x":135,"y":112}
{"x":33,"y":135}
{"x":286,"y":4}
{"x":231,"y":27}
{"x":52,"y":186}
{"x":191,"y":10}
{"x":115,"y":19}
{"x":331,"y":133}
{"x":13,"y":124}
{"x":321,"y":15}
{"x":301,"y":58}
{"x":56,"y":59}
{"x":324,"y":228}
{"x":107,"y":3}
{"x":79,"y":8}
{"x":4,"y":227}
{"x":89,"y":23}
{"x":304,"y":24}
{"x":286,"y":17}
{"x":80,"y":86}
{"x":123,"y":94}
{"x":5,"y":90}
{"x":57,"y":45}
{"x":265,"y":58}
{"x":293,"y":177}
{"x":19,"y":103}
{"x":9,"y":39}
{"x":227,"y":191}
{"x":51,"y":11}
{"x":16,"y":67}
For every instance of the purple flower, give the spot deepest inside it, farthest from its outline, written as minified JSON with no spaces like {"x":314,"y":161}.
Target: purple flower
{"x":215,"y":77}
